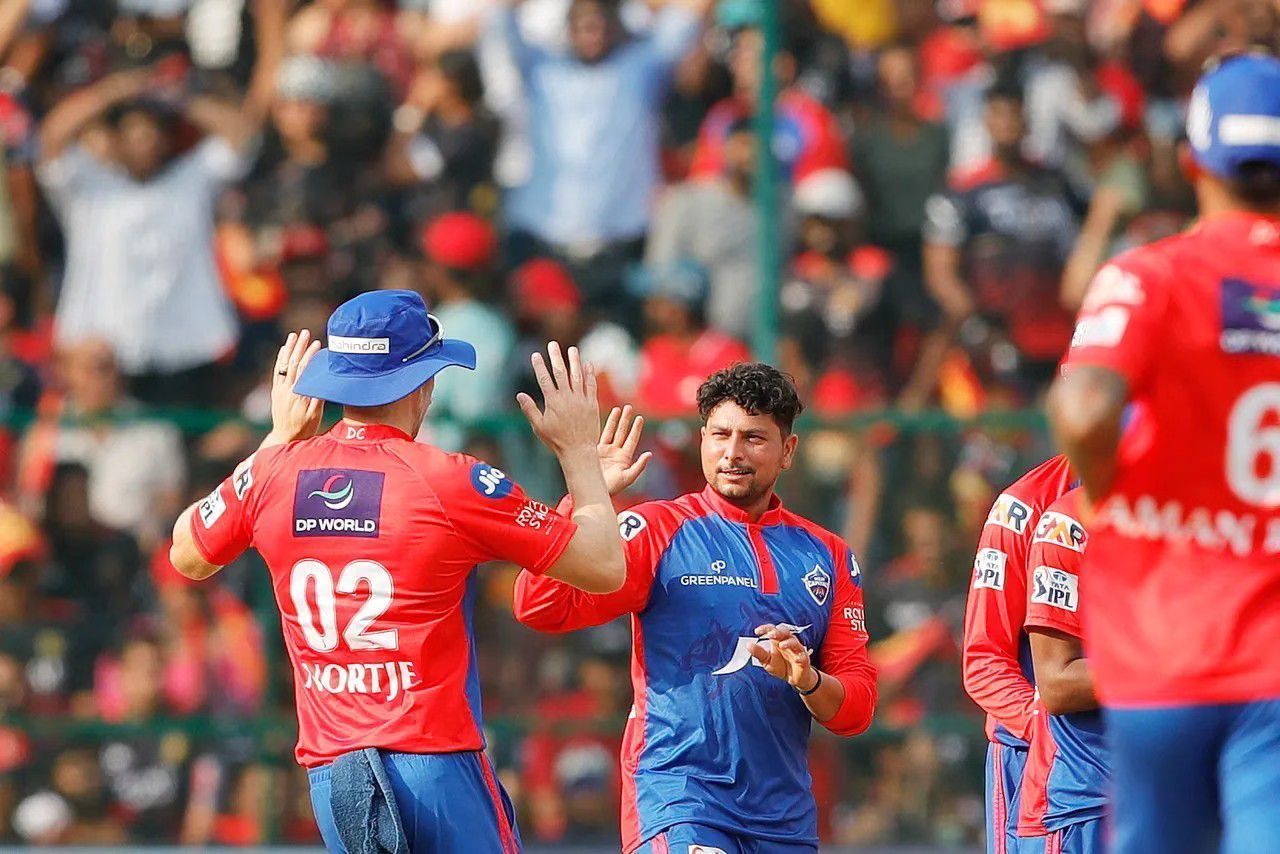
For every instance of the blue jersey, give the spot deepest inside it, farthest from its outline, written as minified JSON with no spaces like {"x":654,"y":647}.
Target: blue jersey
{"x":712,"y":738}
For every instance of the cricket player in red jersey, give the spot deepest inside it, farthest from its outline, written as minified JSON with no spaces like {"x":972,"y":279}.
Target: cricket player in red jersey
{"x":1064,"y":786}
{"x":372,"y":540}
{"x":997,"y":657}
{"x":1182,"y":575}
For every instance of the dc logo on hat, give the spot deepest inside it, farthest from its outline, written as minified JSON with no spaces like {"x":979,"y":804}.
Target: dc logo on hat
{"x":490,"y":482}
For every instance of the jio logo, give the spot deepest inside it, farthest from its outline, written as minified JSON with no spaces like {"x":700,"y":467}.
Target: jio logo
{"x":490,"y":482}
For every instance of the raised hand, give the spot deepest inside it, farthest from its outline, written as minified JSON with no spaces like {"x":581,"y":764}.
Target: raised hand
{"x":293,"y":416}
{"x":617,"y":449}
{"x":785,"y":657}
{"x":570,"y":416}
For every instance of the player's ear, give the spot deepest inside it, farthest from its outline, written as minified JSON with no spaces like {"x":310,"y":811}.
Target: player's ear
{"x":789,"y":449}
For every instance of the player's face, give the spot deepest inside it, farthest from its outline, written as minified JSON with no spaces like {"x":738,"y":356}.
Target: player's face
{"x":743,"y":454}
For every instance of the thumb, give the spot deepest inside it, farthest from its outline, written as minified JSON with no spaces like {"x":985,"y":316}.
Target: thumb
{"x":759,"y":653}
{"x":530,"y":409}
{"x":637,"y":468}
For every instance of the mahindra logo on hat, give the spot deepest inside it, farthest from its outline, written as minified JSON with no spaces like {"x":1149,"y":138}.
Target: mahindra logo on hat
{"x":339,"y":344}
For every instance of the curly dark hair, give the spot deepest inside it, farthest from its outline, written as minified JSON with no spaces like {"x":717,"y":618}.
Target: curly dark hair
{"x":758,"y":388}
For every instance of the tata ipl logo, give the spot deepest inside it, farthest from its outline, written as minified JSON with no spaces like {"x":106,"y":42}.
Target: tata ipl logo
{"x":1250,"y":318}
{"x":335,"y":499}
{"x":337,"y":503}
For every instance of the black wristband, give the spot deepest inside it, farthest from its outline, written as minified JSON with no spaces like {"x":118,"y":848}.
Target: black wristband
{"x":815,"y":685}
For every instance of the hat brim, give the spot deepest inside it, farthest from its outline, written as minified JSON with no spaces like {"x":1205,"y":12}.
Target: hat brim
{"x":380,"y":389}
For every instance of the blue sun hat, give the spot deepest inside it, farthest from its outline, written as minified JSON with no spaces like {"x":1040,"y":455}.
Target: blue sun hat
{"x":1234,"y":115}
{"x":382,"y":345}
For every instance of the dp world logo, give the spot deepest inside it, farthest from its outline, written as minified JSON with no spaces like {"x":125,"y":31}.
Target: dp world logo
{"x":333,"y":496}
{"x":337,"y":503}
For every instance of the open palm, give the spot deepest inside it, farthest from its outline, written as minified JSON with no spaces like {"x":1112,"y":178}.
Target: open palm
{"x":617,"y":449}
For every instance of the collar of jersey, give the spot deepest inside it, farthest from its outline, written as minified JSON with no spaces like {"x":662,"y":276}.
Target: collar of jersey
{"x":721,"y":507}
{"x":344,"y":430}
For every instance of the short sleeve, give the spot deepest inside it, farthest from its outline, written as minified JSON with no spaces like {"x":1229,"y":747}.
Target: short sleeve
{"x":222,"y":523}
{"x":67,"y":175}
{"x":944,"y":220}
{"x":498,"y":521}
{"x":1053,"y":588}
{"x":1121,"y":321}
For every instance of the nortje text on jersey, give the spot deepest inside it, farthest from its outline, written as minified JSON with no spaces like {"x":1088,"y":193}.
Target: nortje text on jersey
{"x":385,"y":679}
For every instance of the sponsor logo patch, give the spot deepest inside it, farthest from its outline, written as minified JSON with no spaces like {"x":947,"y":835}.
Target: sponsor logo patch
{"x":337,"y":503}
{"x":857,"y":619}
{"x":212,"y":508}
{"x":339,"y":344}
{"x":490,"y":482}
{"x":1104,"y":328}
{"x":1250,"y":318}
{"x":1113,"y":286}
{"x":742,"y":650}
{"x":242,"y":478}
{"x":988,"y":569}
{"x":1009,"y":512}
{"x":1061,"y":530}
{"x":855,"y":571}
{"x":630,"y":524}
{"x":533,"y":515}
{"x":818,"y":582}
{"x":1056,"y":588}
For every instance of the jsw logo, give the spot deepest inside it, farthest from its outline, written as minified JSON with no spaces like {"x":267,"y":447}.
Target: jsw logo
{"x":742,"y":652}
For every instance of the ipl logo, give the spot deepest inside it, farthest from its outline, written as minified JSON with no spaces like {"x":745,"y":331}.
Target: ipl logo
{"x":335,"y":499}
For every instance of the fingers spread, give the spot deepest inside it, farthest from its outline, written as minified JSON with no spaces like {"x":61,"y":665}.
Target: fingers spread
{"x":541,"y":375}
{"x":633,"y":437}
{"x":611,"y":426}
{"x":575,"y":370}
{"x":590,"y":381}
{"x":556,"y":359}
{"x":637,"y":468}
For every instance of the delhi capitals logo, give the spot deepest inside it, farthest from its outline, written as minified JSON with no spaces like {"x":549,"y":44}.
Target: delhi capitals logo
{"x":818,"y":582}
{"x":335,"y":499}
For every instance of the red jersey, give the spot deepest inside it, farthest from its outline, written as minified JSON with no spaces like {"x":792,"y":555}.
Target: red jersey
{"x":997,"y":657}
{"x":1183,"y":569}
{"x":372,"y":540}
{"x":1067,"y":772}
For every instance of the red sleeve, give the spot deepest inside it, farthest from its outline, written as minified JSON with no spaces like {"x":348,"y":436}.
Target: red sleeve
{"x":222,"y":524}
{"x":498,"y":521}
{"x":825,"y":148}
{"x":549,"y":605}
{"x":1122,"y":319}
{"x":844,"y":651}
{"x":994,"y":616}
{"x":1053,"y":594}
{"x":708,"y":153}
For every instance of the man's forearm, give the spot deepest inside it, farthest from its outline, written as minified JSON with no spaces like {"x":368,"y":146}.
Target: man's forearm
{"x":593,"y":560}
{"x":827,"y":700}
{"x":67,"y":119}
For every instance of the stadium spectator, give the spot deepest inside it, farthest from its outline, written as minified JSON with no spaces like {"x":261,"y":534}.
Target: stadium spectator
{"x":995,"y":246}
{"x":681,"y":351}
{"x":445,"y":140}
{"x":461,"y":250}
{"x":806,"y":137}
{"x":136,"y":466}
{"x":594,"y":132}
{"x":137,"y":217}
{"x":548,"y":307}
{"x":712,"y":222}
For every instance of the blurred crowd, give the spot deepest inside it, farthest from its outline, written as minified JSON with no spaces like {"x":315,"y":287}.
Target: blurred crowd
{"x":183,"y":180}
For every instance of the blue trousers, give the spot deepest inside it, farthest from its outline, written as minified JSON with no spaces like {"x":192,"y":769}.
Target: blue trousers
{"x":447,"y":802}
{"x":1004,"y":784}
{"x":1196,"y":779}
{"x":700,"y":839}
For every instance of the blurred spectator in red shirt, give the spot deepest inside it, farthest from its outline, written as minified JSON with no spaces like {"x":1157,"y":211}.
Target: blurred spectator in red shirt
{"x":806,"y":137}
{"x":681,"y":352}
